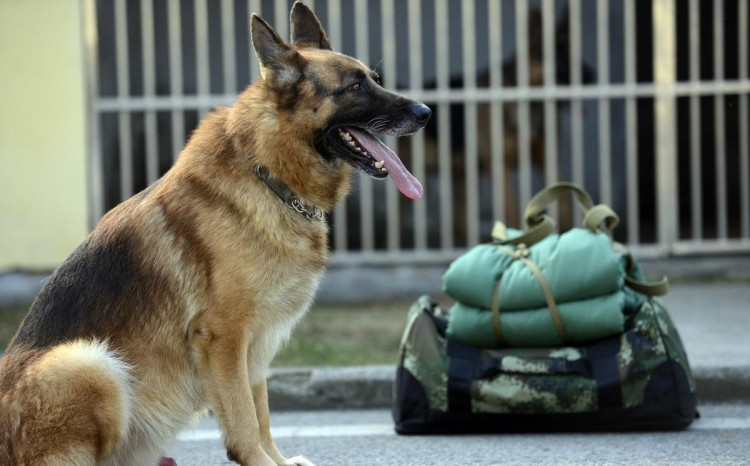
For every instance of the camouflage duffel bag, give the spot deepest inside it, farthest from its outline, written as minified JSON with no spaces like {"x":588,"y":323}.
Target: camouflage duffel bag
{"x":637,"y":380}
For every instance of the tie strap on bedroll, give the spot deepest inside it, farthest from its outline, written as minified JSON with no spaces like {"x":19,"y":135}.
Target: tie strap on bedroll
{"x":521,"y":253}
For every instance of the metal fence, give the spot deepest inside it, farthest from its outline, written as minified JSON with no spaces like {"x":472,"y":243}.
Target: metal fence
{"x":644,"y":103}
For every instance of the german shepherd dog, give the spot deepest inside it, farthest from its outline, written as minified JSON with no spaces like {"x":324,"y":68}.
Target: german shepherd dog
{"x":181,"y":296}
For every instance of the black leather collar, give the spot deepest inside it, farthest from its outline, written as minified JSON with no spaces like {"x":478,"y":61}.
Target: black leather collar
{"x":287,"y":195}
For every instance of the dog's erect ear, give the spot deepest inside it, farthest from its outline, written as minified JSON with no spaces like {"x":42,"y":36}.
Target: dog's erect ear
{"x":306,"y":29}
{"x":280,"y":65}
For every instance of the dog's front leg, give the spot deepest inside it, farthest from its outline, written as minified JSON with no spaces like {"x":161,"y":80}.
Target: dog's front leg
{"x":260,"y":396}
{"x":221,"y":351}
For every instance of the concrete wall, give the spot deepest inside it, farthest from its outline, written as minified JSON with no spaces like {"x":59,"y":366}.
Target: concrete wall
{"x":43,"y":169}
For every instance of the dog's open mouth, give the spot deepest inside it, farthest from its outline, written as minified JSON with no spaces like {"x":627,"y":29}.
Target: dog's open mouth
{"x":366,"y":153}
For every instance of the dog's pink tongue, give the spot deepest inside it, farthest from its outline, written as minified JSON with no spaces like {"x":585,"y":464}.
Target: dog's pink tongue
{"x":404,"y":181}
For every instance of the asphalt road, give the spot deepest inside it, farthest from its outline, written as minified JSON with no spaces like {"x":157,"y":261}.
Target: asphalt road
{"x":721,"y":437}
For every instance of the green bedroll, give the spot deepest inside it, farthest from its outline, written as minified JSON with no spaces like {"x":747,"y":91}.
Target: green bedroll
{"x":536,"y":288}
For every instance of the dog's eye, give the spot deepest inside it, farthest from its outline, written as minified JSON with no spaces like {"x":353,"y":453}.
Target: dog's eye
{"x":355,"y":87}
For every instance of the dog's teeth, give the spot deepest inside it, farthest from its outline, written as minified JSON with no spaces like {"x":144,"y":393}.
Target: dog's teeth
{"x":346,"y":136}
{"x":380,"y":164}
{"x":384,"y":170}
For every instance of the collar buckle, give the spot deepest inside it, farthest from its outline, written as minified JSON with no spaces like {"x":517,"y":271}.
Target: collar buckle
{"x":287,"y":195}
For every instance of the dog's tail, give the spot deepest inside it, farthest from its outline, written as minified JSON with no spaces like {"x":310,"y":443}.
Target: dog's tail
{"x":71,"y":406}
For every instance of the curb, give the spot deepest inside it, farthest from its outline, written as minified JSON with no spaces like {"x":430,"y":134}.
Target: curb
{"x":362,"y":387}
{"x":371,"y":387}
{"x":722,"y":384}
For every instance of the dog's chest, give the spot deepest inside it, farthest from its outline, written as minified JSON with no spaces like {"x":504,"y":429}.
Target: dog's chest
{"x":279,"y":312}
{"x":273,"y":277}
{"x":290,"y":279}
{"x":292,"y":294}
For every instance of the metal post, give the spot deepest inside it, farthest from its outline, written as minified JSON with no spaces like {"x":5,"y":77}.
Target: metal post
{"x":665,"y":104}
{"x":96,"y":171}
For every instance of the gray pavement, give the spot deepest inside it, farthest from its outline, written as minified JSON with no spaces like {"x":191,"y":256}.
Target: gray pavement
{"x":349,"y":438}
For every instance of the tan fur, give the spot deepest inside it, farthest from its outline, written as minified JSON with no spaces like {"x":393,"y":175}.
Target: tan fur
{"x":182,"y":295}
{"x":80,"y":377}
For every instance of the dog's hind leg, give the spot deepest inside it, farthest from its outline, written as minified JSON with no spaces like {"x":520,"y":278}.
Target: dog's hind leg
{"x":70,"y":407}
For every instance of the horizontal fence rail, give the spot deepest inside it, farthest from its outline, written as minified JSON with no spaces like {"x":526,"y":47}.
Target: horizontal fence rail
{"x":645,"y":104}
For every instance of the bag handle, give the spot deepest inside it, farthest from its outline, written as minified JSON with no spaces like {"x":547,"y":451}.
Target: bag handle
{"x":539,"y":225}
{"x":531,"y":235}
{"x":599,"y":217}
{"x":596,"y":217}
{"x":552,"y":193}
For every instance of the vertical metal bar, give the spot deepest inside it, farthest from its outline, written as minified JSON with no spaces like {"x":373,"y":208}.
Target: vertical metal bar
{"x":442,"y":66}
{"x":631,"y":122}
{"x":417,"y":141}
{"x":201,"y":52}
{"x":228,"y":46}
{"x":696,"y":191}
{"x":665,"y":118}
{"x":720,"y":122}
{"x":366,"y":203}
{"x":524,"y":118}
{"x":149,"y":89}
{"x":253,"y":6}
{"x":388,"y":27}
{"x":96,"y":172}
{"x":175,"y":75}
{"x":341,"y":227}
{"x":576,"y":106}
{"x":602,"y":49}
{"x":743,"y":131}
{"x":497,"y":125}
{"x":281,"y":18}
{"x":550,"y":105}
{"x":123,"y":90}
{"x":470,"y":124}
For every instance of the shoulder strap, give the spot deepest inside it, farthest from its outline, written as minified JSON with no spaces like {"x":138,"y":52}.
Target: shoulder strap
{"x":657,"y":288}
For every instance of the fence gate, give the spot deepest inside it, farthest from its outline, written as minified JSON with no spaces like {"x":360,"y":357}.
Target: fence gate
{"x":644,"y":103}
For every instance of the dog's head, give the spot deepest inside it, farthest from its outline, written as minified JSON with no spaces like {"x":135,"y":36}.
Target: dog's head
{"x":335,"y":102}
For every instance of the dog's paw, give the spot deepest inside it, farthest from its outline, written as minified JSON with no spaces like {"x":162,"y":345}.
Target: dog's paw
{"x":298,"y":461}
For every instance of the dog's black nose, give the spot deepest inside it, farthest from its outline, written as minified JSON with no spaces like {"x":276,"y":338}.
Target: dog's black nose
{"x":422,"y":112}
